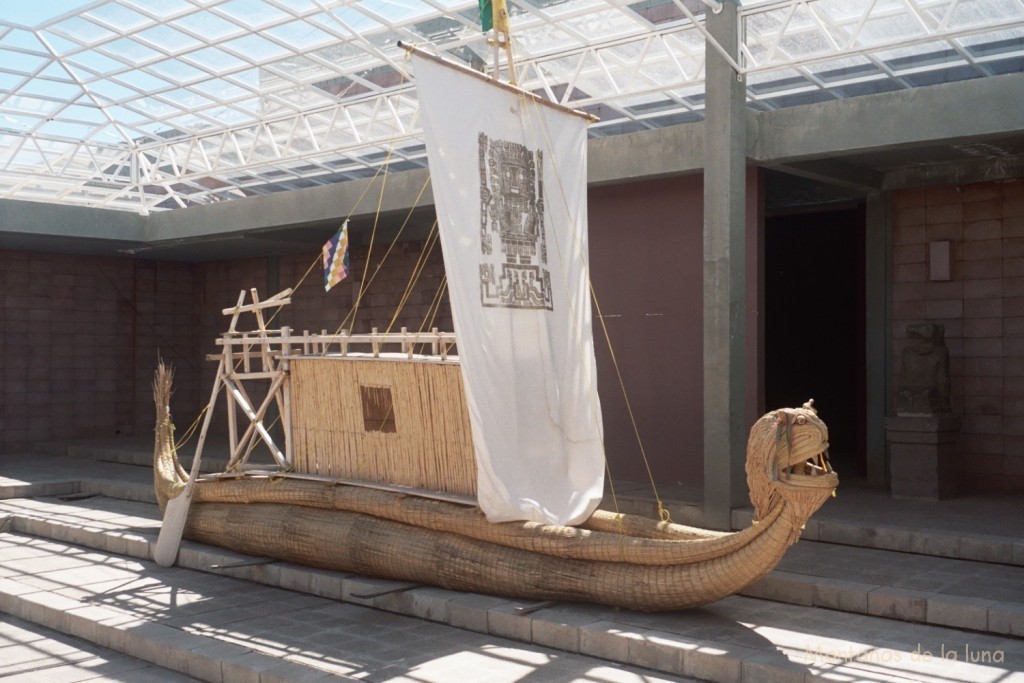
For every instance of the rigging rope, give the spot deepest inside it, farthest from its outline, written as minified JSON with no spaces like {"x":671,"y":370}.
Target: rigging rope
{"x":351,"y":316}
{"x":417,"y":270}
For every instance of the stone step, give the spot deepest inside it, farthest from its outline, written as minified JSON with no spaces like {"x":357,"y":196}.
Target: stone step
{"x":33,"y":474}
{"x":129,"y":528}
{"x":848,"y":527}
{"x":945,"y":592}
{"x":933,"y":542}
{"x":182,"y":618}
{"x":975,"y":596}
{"x":30,"y":653}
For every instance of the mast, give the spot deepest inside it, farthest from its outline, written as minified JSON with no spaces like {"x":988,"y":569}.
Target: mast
{"x":502,"y":38}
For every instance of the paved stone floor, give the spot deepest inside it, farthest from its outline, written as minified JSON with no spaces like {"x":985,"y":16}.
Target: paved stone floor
{"x":32,"y":654}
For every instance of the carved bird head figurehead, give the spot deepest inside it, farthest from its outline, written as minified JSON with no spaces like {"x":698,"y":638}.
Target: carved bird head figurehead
{"x":787,"y":461}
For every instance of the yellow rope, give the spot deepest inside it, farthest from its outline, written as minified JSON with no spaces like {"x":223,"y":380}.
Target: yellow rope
{"x":190,"y":432}
{"x":663,"y":513}
{"x":373,"y":236}
{"x":421,"y":262}
{"x":317,"y":259}
{"x":351,"y":315}
{"x":435,"y":305}
{"x":187,"y":434}
{"x":363,"y":284}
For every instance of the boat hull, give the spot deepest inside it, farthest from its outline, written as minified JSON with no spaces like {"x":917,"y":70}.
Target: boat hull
{"x":364,"y":544}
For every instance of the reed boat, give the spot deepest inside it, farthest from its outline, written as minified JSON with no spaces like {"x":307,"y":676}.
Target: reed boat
{"x":440,"y":539}
{"x":471,"y":460}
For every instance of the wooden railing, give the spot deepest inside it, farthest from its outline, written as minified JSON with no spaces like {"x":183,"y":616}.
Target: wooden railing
{"x":244,"y":349}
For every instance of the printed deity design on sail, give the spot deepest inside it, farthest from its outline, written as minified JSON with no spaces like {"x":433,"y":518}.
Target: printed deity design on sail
{"x":512,"y":205}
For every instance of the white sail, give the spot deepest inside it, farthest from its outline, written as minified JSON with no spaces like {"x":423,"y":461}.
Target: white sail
{"x":509,"y":183}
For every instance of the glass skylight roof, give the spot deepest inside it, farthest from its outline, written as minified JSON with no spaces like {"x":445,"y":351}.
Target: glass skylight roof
{"x":148,"y":105}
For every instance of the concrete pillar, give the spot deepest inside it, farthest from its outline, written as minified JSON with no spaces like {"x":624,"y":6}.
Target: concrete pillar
{"x":725,"y":419}
{"x":878,"y":333}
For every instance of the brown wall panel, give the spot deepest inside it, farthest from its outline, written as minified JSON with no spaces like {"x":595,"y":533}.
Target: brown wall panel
{"x":646,"y":265}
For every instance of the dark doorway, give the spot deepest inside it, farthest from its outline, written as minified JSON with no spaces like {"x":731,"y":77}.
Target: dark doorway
{"x":814,"y":323}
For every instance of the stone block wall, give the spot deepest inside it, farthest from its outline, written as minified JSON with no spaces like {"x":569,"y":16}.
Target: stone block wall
{"x":78,"y":340}
{"x":410,"y":265}
{"x":80,"y":335}
{"x":165,"y":325}
{"x":313,"y":309}
{"x":982,"y":309}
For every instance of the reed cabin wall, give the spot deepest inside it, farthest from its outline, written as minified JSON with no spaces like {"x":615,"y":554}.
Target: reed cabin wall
{"x":391,"y":421}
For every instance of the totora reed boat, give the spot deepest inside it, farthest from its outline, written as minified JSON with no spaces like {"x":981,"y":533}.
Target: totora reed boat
{"x":613,"y":559}
{"x":481,"y":471}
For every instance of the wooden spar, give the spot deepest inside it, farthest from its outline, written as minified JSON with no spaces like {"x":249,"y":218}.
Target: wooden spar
{"x":279,"y":299}
{"x":493,"y":81}
{"x":229,"y":360}
{"x":262,"y":331}
{"x":503,"y":36}
{"x":232,"y":312}
{"x":253,"y":472}
{"x":268,"y":359}
{"x":286,"y":393}
{"x":323,"y":344}
{"x":165,"y":552}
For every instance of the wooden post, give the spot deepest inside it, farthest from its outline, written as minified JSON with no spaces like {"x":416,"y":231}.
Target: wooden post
{"x":229,"y":368}
{"x":261,"y":327}
{"x":234,"y":318}
{"x":165,"y":552}
{"x":285,"y":406}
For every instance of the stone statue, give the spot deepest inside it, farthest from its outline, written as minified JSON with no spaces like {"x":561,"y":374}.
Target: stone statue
{"x":924,"y":382}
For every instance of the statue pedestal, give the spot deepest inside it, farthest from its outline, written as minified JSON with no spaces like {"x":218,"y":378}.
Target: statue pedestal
{"x":923,"y":454}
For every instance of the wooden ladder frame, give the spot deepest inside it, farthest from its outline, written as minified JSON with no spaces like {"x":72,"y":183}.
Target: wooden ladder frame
{"x":237,"y":358}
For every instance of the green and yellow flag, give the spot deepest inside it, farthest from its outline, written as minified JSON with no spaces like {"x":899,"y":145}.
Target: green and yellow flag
{"x":494,"y":14}
{"x":486,"y":15}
